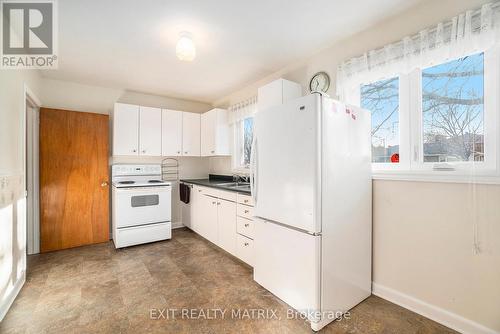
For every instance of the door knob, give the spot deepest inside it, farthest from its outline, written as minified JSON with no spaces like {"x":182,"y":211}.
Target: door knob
{"x":104,"y":184}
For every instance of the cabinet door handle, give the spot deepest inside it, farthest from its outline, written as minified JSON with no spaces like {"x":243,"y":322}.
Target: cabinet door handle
{"x":213,"y":151}
{"x":134,"y":150}
{"x":218,"y":203}
{"x":178,"y":152}
{"x":185,"y":152}
{"x":245,"y":201}
{"x":213,"y":202}
{"x":246,"y":211}
{"x":246,"y":243}
{"x":143,"y":151}
{"x":246,"y":225}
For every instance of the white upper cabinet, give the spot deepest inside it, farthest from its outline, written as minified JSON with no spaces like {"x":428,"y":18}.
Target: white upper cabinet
{"x":125,"y":129}
{"x":190,"y":134}
{"x":277,"y":92}
{"x":171,"y":137}
{"x":150,"y":131}
{"x":215,"y":133}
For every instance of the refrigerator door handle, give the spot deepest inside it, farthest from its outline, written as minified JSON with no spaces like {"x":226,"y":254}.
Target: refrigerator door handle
{"x":253,"y":170}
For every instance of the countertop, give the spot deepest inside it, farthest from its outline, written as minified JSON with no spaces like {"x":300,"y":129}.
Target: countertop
{"x":216,"y":183}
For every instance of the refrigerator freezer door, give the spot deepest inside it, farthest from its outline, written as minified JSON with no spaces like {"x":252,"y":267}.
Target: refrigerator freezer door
{"x":286,"y":165}
{"x":287,"y":263}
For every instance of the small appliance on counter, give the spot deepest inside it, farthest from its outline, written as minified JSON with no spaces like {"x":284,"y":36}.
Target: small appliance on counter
{"x":141,"y":205}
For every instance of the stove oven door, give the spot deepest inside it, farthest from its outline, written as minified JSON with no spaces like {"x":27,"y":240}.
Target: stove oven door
{"x":141,"y":206}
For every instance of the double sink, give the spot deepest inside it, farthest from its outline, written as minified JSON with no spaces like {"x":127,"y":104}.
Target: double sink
{"x":235,"y":185}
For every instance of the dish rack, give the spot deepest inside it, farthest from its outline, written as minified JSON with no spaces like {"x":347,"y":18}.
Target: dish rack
{"x":170,"y":169}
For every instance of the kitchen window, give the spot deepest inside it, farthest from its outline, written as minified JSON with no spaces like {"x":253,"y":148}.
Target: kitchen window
{"x":244,"y":142}
{"x":382,"y":99}
{"x":241,"y":118}
{"x":439,"y":120}
{"x":435,"y":100}
{"x":453,"y":111}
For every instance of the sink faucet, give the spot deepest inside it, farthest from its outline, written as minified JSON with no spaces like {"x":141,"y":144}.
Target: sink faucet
{"x":240,"y":178}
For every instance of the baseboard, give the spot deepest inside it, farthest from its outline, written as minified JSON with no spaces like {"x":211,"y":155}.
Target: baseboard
{"x":442,"y":316}
{"x":4,"y":307}
{"x":177,"y":225}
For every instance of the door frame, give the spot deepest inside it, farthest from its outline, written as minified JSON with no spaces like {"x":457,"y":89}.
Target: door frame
{"x":30,"y":165}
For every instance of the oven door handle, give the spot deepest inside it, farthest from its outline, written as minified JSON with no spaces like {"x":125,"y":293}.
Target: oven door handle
{"x":142,"y":189}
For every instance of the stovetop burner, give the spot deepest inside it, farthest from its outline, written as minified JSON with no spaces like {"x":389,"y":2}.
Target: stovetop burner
{"x":126,"y":182}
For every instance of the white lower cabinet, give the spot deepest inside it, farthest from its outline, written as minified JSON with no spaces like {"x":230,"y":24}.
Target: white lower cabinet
{"x":244,"y":227}
{"x":244,"y":249}
{"x":209,"y":226}
{"x":214,"y":215}
{"x":226,"y":211}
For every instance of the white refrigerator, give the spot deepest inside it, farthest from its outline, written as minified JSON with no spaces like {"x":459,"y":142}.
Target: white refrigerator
{"x":311,"y":183}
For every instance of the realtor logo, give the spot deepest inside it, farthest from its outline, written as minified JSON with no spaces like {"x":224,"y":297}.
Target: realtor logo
{"x":28,"y":34}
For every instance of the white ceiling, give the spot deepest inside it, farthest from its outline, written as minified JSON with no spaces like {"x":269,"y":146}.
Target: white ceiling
{"x":130,"y":44}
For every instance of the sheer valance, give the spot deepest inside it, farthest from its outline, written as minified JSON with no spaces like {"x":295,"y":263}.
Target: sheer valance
{"x":468,"y":33}
{"x":239,"y":111}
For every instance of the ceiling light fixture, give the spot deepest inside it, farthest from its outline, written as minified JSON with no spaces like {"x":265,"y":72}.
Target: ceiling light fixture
{"x":185,"y":49}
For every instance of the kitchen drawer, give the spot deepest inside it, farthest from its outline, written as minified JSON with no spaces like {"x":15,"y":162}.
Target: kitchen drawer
{"x":227,"y":195}
{"x":244,"y":249}
{"x":245,"y":199}
{"x":136,"y":235}
{"x":245,"y":211}
{"x":244,"y":227}
{"x":207,"y":191}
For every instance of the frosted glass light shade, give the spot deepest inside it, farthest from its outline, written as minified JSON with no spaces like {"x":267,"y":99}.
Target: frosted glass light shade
{"x":185,"y":49}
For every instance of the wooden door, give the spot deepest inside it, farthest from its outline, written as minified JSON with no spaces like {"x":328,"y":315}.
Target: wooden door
{"x":125,"y":129}
{"x":150,"y":131}
{"x":74,"y":181}
{"x":171,"y":135}
{"x":191,"y":134}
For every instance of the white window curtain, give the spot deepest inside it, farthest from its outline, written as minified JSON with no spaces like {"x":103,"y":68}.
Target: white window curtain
{"x":237,"y":115}
{"x":241,"y":110}
{"x":468,"y":33}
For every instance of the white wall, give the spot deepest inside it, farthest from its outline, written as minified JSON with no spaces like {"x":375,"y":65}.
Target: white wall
{"x":423,"y":232}
{"x":80,"y":97}
{"x":12,"y":201}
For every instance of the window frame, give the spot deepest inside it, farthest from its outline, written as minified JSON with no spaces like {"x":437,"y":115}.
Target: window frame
{"x":411,"y":165}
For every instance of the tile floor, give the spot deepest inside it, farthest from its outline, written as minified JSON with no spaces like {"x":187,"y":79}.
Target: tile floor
{"x":97,"y":289}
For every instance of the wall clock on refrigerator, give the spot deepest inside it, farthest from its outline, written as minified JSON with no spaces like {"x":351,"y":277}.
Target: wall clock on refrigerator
{"x":320,"y":82}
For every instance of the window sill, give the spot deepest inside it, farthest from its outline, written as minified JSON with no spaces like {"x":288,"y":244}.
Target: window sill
{"x":436,"y":176}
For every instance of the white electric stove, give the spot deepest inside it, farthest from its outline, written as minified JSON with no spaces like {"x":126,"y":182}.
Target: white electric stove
{"x":141,"y":205}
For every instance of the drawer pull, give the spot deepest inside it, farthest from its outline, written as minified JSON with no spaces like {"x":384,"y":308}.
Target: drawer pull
{"x":214,"y":202}
{"x":245,"y":201}
{"x":246,"y":225}
{"x":246,"y":211}
{"x":246,"y":243}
